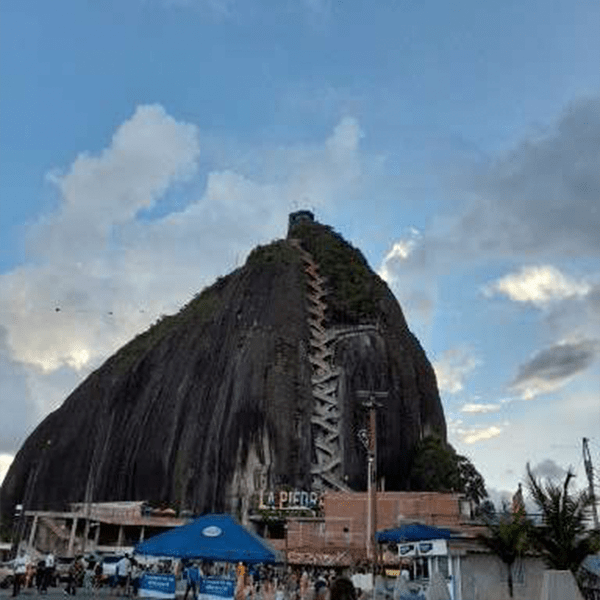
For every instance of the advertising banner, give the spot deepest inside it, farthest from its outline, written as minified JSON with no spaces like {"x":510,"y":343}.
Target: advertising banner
{"x":212,"y":588}
{"x":154,"y":585}
{"x":426,"y":548}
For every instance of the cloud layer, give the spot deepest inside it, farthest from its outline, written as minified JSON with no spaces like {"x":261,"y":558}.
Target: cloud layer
{"x":106,"y":264}
{"x":538,"y":285}
{"x":544,"y":194}
{"x":538,"y":199}
{"x":552,"y":367}
{"x":452,"y":368}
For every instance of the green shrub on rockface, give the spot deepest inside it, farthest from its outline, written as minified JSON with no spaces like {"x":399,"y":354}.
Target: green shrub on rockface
{"x":355,"y":291}
{"x":276,"y":252}
{"x":198,"y":309}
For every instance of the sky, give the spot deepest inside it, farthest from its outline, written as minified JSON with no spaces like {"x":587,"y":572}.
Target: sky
{"x":146,"y":146}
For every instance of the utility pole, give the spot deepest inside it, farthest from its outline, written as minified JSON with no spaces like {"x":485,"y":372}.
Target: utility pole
{"x":587,"y":461}
{"x":372,"y":405}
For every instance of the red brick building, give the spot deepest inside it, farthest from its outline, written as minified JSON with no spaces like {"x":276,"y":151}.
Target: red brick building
{"x":338,"y":531}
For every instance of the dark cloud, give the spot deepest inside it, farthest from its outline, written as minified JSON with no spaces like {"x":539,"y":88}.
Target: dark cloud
{"x":548,"y":469}
{"x":557,"y":363}
{"x":539,"y":198}
{"x":535,"y":202}
{"x":576,"y":315}
{"x":544,"y":194}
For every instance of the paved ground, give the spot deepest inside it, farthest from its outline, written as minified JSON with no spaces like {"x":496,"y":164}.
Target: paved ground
{"x":57,"y":593}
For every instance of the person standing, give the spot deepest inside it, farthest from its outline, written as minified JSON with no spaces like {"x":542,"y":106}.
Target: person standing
{"x":40,"y":575}
{"x":123,"y":572}
{"x":88,"y":577}
{"x":20,"y":569}
{"x":342,"y":589}
{"x":48,"y":572}
{"x":191,"y":575}
{"x":74,"y":576}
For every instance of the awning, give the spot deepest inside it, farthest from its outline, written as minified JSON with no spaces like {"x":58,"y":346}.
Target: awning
{"x":415,"y":532}
{"x":211,"y":537}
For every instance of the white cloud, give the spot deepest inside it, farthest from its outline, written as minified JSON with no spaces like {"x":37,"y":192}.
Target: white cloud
{"x":471,"y":434}
{"x":17,"y":404}
{"x":5,"y":462}
{"x":148,"y":153}
{"x":102,"y":274}
{"x":537,"y":432}
{"x":57,"y":307}
{"x":499,"y":498}
{"x":399,"y":252}
{"x":548,"y":469}
{"x":479,"y":434}
{"x":538,"y":285}
{"x":453,"y":368}
{"x":479,"y":408}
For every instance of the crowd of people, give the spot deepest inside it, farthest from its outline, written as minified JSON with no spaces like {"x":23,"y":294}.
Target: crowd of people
{"x":251,"y":583}
{"x":82,"y":572}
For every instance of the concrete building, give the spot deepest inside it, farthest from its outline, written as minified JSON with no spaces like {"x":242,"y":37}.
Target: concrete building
{"x":96,"y":527}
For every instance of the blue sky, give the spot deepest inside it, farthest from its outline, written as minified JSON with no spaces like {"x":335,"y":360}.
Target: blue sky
{"x":147,"y":145}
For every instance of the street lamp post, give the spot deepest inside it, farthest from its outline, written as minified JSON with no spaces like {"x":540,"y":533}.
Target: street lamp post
{"x":372,"y":405}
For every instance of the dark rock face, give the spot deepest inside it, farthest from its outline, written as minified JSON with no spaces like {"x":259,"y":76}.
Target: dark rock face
{"x":197,"y":409}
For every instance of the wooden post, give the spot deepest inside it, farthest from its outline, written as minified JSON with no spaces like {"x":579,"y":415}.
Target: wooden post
{"x":72,"y":537}
{"x":97,"y":536}
{"x":32,"y":532}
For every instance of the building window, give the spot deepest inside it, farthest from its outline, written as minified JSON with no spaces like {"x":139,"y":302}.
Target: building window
{"x":276,"y":530}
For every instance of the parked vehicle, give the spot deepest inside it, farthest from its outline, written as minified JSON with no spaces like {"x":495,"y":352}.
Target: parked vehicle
{"x":109,"y":565}
{"x":6,"y":574}
{"x":62,"y":564}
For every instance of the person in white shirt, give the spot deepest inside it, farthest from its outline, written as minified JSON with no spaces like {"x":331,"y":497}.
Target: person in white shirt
{"x":48,"y":572}
{"x":123,"y":572}
{"x":20,"y":567}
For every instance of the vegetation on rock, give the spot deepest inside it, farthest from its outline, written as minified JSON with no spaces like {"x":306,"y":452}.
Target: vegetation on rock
{"x":276,"y":252}
{"x":355,"y":290}
{"x":198,"y":310}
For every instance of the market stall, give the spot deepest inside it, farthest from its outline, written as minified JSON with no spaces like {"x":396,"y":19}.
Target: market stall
{"x":218,"y":538}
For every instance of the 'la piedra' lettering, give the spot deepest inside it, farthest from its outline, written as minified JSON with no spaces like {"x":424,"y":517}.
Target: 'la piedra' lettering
{"x":288,"y":499}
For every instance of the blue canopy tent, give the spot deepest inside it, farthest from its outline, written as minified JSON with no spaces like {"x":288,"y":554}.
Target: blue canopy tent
{"x":414,"y":532}
{"x":211,"y":537}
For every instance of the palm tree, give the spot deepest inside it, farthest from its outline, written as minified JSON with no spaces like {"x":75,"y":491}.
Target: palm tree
{"x":508,"y":538}
{"x":563,"y":537}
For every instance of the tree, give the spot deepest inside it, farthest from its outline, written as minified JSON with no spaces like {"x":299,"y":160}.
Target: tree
{"x":563,"y":536}
{"x":437,"y":467}
{"x":508,"y":538}
{"x":471,"y":482}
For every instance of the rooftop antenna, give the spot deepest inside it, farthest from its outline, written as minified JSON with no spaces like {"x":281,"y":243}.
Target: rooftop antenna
{"x":587,"y":461}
